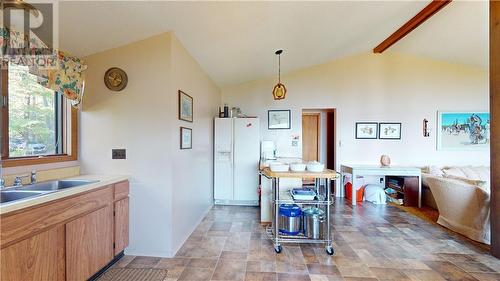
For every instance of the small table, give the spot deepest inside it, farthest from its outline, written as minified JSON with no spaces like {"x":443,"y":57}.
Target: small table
{"x":323,"y":200}
{"x":374,"y":170}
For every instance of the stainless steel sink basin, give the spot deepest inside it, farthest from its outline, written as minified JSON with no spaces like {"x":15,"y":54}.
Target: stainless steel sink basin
{"x":56,"y":185}
{"x":7,"y":196}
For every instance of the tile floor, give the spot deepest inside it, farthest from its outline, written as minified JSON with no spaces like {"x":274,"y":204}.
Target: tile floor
{"x":371,"y":243}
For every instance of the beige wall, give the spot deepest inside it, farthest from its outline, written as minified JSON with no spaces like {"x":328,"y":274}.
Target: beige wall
{"x":192,"y":169}
{"x":136,"y":119}
{"x":379,"y":88}
{"x":143,"y":119}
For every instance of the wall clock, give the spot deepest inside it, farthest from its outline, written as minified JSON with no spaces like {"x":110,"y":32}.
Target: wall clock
{"x":115,"y":79}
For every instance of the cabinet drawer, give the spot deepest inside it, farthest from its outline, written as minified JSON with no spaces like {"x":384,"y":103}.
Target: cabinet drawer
{"x":121,"y":190}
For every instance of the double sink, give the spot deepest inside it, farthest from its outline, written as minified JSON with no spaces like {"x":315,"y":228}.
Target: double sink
{"x":38,"y":189}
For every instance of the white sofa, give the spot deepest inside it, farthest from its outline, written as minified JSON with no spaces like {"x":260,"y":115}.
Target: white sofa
{"x":462,"y":195}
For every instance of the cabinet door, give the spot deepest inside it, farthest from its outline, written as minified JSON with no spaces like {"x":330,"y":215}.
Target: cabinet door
{"x":89,"y":244}
{"x":121,"y":225}
{"x":40,"y":257}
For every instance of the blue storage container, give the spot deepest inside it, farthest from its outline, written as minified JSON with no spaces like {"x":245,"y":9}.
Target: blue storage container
{"x":290,"y":216}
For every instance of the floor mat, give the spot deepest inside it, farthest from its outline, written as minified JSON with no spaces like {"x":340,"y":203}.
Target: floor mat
{"x":133,"y":274}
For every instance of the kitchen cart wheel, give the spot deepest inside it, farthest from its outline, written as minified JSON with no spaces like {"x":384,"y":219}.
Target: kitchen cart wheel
{"x":329,"y":250}
{"x":277,"y":249}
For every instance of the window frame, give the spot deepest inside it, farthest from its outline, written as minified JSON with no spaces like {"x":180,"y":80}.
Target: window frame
{"x":72,"y":134}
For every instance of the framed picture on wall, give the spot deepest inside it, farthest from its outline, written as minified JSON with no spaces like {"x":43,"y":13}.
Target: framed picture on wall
{"x":366,"y":130}
{"x":185,"y":107}
{"x":389,"y":131}
{"x":186,"y":138}
{"x":279,"y":119}
{"x":464,"y":130}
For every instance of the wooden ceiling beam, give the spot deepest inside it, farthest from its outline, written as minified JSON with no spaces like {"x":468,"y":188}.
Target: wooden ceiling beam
{"x":413,"y":23}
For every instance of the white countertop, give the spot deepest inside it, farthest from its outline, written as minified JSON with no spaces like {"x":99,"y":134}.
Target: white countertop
{"x":29,"y":202}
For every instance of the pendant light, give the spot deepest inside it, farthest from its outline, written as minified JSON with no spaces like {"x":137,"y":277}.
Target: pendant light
{"x":279,"y":91}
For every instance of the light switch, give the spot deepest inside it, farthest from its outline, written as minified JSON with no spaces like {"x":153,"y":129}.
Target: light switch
{"x":119,"y":154}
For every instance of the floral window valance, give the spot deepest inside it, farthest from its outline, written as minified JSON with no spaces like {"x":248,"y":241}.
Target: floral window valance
{"x":64,"y":75}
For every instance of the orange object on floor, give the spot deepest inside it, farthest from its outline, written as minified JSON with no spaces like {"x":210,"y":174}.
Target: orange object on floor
{"x":359,"y":192}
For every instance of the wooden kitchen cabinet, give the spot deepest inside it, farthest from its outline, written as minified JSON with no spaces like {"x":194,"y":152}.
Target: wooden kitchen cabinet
{"x":40,"y":257}
{"x":71,"y":238}
{"x":89,"y":244}
{"x":121,"y":225}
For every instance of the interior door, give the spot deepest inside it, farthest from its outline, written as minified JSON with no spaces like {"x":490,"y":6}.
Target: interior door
{"x":223,"y":168}
{"x":246,"y":158}
{"x":310,"y":136}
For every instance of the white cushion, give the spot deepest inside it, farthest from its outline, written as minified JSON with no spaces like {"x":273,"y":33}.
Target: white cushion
{"x":477,"y":173}
{"x":454,"y":172}
{"x":435,"y":170}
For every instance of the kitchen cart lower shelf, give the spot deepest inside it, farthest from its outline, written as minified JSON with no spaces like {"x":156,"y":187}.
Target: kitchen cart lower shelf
{"x":283,"y":238}
{"x":323,"y":203}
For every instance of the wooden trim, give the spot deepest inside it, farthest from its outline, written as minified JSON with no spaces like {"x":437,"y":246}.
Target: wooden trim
{"x":495,"y":126}
{"x":5,"y":113}
{"x":331,"y":139}
{"x":25,"y":161}
{"x":413,"y":23}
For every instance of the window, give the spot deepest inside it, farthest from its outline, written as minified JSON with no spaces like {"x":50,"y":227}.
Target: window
{"x":39,"y":126}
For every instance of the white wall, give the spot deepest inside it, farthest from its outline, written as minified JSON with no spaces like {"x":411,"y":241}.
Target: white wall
{"x":369,"y":87}
{"x":143,"y":119}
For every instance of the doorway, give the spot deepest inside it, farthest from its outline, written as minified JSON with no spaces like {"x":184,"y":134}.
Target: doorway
{"x":318,"y":136}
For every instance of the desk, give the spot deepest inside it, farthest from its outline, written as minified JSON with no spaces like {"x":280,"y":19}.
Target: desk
{"x":374,"y":170}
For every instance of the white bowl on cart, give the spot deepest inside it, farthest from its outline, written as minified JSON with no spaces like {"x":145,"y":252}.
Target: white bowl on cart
{"x":297,"y":167}
{"x":315,"y":167}
{"x":279,"y":167}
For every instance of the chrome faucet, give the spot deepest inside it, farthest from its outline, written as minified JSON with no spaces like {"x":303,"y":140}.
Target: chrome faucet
{"x":18,"y":181}
{"x":33,"y":177}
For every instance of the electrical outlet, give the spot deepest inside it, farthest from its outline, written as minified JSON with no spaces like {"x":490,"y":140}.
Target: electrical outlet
{"x":119,"y":154}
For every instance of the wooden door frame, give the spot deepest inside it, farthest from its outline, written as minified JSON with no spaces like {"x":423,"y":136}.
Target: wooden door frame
{"x":331,"y":146}
{"x":495,"y":126}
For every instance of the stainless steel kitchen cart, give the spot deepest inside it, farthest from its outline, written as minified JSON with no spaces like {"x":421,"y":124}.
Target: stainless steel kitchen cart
{"x":323,"y":201}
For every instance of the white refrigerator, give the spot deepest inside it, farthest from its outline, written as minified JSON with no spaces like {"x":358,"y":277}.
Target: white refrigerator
{"x":236,"y":161}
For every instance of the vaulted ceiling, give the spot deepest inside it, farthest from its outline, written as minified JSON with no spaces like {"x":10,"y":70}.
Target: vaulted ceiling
{"x":235,"y":42}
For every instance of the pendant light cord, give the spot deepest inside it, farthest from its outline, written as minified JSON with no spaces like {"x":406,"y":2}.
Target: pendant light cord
{"x":279,"y":68}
